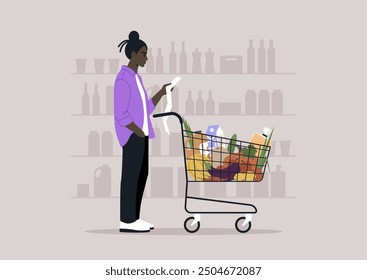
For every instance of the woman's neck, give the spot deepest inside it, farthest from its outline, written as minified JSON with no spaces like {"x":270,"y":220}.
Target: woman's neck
{"x":133,"y":66}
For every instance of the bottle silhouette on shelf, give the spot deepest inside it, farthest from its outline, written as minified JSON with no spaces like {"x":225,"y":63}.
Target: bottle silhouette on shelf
{"x":278,"y":183}
{"x":175,"y":101}
{"x":102,"y":181}
{"x":183,"y":59}
{"x":264,"y":102}
{"x":210,"y":104}
{"x":172,"y":60}
{"x":277,"y":102}
{"x":199,"y":104}
{"x":107,"y":143}
{"x":251,"y":58}
{"x":156,"y":144}
{"x":109,"y":100}
{"x":159,"y":62}
{"x":189,"y":105}
{"x":250,"y":102}
{"x":196,"y":65}
{"x":96,"y":101}
{"x":261,"y":58}
{"x":271,"y":58}
{"x":93,"y":144}
{"x":85,"y":101}
{"x":150,"y":62}
{"x":209,"y":62}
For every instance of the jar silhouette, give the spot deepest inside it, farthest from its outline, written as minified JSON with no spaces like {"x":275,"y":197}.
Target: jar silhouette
{"x":250,"y":102}
{"x":93,"y":144}
{"x":102,"y":181}
{"x":107,"y":143}
{"x":264,"y":102}
{"x":277,"y":102}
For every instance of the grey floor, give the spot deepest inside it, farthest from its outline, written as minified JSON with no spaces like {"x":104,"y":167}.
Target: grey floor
{"x":91,"y":232}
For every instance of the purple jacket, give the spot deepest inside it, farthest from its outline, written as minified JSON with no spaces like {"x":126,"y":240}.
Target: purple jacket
{"x":128,"y":106}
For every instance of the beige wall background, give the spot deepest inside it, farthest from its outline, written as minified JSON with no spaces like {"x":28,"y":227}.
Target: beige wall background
{"x":322,"y":41}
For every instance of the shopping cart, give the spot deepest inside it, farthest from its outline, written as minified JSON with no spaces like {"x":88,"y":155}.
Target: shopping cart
{"x":211,"y":158}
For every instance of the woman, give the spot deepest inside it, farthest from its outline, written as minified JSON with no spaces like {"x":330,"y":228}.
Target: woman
{"x":133,"y":128}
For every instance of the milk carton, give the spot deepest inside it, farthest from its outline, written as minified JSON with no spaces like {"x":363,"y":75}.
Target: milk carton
{"x":214,"y":133}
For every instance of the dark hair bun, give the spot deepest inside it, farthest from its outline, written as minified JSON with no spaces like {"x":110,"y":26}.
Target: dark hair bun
{"x":134,"y":36}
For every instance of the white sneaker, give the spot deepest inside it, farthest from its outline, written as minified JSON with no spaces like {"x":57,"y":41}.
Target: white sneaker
{"x":151,"y":226}
{"x":137,"y":226}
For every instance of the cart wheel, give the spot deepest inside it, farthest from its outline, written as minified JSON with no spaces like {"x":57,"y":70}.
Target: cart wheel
{"x":189,"y":228}
{"x":241,"y":228}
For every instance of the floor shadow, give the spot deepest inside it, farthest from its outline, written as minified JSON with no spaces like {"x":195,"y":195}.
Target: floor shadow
{"x":181,"y":231}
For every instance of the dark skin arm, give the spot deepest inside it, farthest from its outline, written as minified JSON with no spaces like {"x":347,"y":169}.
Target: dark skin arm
{"x":156,"y":98}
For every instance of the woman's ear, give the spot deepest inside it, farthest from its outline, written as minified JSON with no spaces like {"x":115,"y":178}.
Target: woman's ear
{"x":133,"y":54}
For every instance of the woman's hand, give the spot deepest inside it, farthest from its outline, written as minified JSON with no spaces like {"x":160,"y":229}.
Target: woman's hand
{"x":159,"y":94}
{"x":163,"y":89}
{"x":134,"y":128}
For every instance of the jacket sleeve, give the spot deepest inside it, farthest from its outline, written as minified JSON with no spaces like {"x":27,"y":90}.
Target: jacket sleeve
{"x":150,"y":106}
{"x":122,"y":95}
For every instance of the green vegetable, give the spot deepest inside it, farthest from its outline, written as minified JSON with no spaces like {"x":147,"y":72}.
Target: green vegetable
{"x":249,"y":151}
{"x":189,"y":133}
{"x":262,"y":158}
{"x":232,"y":143}
{"x":207,"y":165}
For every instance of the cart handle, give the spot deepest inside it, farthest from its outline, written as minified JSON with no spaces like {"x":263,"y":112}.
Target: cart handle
{"x":168,"y":114}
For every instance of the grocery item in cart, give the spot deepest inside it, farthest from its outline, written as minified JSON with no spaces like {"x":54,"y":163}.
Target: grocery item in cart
{"x":197,"y":167}
{"x":213,"y":133}
{"x":260,"y":139}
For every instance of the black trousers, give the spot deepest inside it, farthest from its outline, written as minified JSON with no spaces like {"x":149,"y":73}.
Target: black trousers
{"x":133,"y":178}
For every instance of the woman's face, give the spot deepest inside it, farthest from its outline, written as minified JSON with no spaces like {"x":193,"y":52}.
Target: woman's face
{"x":141,"y":57}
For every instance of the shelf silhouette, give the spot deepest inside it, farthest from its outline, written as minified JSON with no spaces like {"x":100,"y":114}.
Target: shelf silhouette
{"x":211,"y":115}
{"x":180,"y":198}
{"x":201,"y":74}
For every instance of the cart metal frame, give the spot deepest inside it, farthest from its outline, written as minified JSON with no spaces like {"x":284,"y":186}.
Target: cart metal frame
{"x":192,"y":224}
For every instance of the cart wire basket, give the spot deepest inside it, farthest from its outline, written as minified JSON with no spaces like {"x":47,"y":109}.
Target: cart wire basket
{"x":210,"y":158}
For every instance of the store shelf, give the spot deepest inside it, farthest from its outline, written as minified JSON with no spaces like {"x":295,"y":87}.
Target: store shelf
{"x":215,"y":115}
{"x":181,"y":198}
{"x":163,"y":156}
{"x":87,"y":156}
{"x":194,"y":74}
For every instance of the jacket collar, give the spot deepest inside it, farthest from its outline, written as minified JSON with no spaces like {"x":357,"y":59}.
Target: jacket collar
{"x":129,"y":70}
